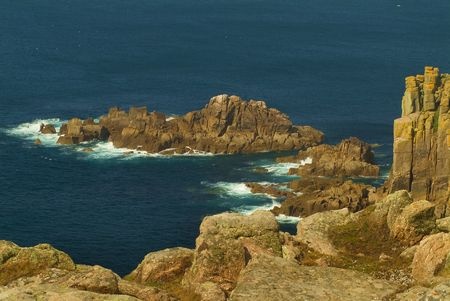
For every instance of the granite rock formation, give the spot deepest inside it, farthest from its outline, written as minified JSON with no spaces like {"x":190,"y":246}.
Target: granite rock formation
{"x":336,"y":255}
{"x":274,"y":278}
{"x":227,"y":124}
{"x":351,"y":157}
{"x":431,"y":260}
{"x":227,"y":242}
{"x":317,"y":194}
{"x":45,"y":273}
{"x":421,"y":162}
{"x":77,"y":131}
{"x":47,"y":129}
{"x":162,"y":266}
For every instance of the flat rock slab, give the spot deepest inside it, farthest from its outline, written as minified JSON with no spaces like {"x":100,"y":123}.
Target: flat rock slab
{"x":276,"y":279}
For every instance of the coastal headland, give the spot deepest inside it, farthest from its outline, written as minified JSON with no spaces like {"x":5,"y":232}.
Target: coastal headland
{"x":353,"y":242}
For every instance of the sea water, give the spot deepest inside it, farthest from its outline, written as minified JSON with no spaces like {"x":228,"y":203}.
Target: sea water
{"x":338,"y":66}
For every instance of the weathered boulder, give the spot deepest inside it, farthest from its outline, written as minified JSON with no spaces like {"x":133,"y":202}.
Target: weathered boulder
{"x":210,"y":291}
{"x":93,"y":278}
{"x":351,"y":157}
{"x":271,"y":278}
{"x":408,"y":221}
{"x":226,"y":243}
{"x":47,"y":129}
{"x":227,"y":124}
{"x":144,"y":292}
{"x":443,"y":224}
{"x":414,"y":222}
{"x":432,"y":259}
{"x":18,"y":262}
{"x":421,"y":162}
{"x":312,"y":195}
{"x":314,"y":230}
{"x":162,"y":266}
{"x":87,"y":278}
{"x":440,"y":292}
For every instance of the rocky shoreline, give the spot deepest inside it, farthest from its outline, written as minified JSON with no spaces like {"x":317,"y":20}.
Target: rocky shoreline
{"x":354,"y":241}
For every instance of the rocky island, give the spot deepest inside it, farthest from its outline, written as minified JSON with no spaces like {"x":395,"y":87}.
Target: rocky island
{"x":227,"y":124}
{"x":390,"y":243}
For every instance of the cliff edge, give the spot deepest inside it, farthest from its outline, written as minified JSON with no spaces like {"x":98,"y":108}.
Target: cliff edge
{"x":421,"y":162}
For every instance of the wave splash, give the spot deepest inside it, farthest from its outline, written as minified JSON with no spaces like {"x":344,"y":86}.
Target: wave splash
{"x":282,"y":169}
{"x":240,"y":192}
{"x":30,"y":131}
{"x":91,"y":150}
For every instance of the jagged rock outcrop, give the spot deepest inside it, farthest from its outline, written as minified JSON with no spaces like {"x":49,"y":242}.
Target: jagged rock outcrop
{"x":414,"y":222}
{"x":227,"y":124}
{"x":227,"y":242}
{"x":421,"y":161}
{"x":162,"y":266}
{"x":16,"y":262}
{"x":314,"y":230}
{"x":312,"y":195}
{"x":49,"y":274}
{"x":77,"y":131}
{"x":47,"y":129}
{"x":272,"y":279}
{"x":397,"y":217}
{"x":431,"y":262}
{"x":351,"y":157}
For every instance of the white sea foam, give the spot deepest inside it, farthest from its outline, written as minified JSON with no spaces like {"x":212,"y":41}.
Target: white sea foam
{"x":282,"y":169}
{"x":106,"y":150}
{"x":100,"y":149}
{"x":284,"y":219}
{"x":306,"y":161}
{"x":30,"y":131}
{"x":231,"y":189}
{"x":249,"y":209}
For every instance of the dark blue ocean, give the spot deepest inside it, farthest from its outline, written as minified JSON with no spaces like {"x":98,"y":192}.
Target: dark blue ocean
{"x":335,"y":65}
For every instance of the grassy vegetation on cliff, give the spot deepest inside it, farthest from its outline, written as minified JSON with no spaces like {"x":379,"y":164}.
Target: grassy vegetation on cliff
{"x":366,"y":246}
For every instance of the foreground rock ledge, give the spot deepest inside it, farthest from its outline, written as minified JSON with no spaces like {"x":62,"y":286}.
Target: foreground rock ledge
{"x":272,"y":279}
{"x":227,"y":124}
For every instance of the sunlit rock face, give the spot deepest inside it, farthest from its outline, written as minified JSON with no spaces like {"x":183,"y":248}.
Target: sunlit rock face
{"x":421,"y":162}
